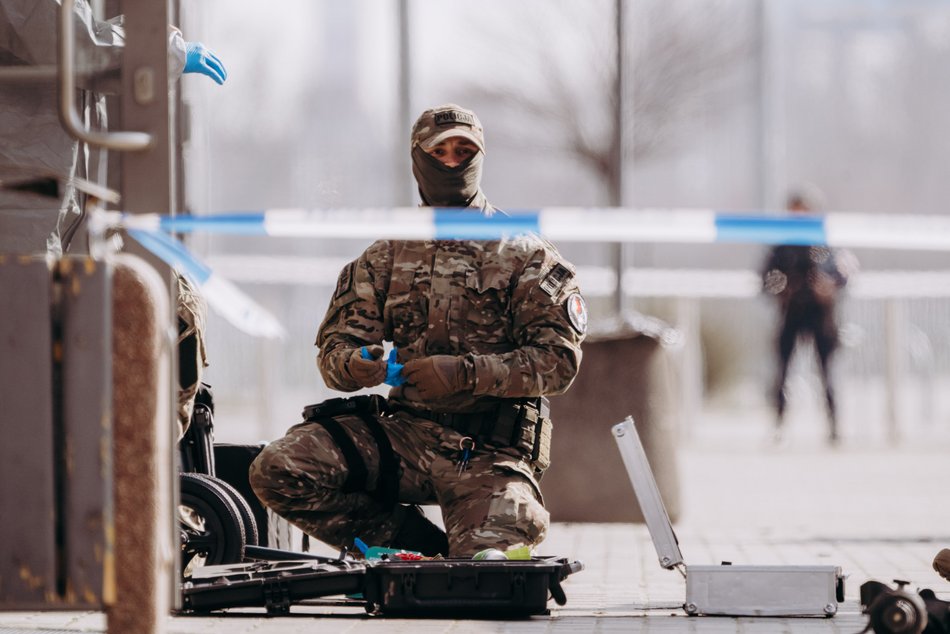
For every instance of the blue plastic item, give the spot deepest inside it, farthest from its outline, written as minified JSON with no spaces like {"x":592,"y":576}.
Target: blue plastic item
{"x":200,"y":59}
{"x":393,"y":370}
{"x":377,"y":552}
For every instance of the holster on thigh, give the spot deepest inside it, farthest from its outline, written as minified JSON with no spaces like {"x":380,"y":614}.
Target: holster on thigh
{"x":367,"y":408}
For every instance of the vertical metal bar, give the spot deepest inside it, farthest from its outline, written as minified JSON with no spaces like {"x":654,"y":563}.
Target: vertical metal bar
{"x":69,"y":118}
{"x":27,"y":544}
{"x":143,"y":455}
{"x":148,"y":176}
{"x":86,"y":430}
{"x":895,"y":327}
{"x":619,"y":103}
{"x":763,"y":110}
{"x":617,"y":193}
{"x":688,"y":322}
{"x":402,"y":179}
{"x":773,"y":128}
{"x":181,"y":126}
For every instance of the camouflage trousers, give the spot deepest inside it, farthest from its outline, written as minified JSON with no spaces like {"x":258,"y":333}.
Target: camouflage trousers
{"x":494,"y":503}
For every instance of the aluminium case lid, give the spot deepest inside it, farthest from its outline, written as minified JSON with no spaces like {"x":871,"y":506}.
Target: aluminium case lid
{"x":648,"y":494}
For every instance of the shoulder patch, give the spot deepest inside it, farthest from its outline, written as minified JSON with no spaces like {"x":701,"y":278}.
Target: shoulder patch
{"x":555,"y":279}
{"x":577,"y":312}
{"x":345,"y":281}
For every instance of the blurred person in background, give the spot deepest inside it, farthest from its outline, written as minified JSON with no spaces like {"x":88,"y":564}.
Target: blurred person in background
{"x":42,"y":168}
{"x":483,"y":331}
{"x":806,"y":282}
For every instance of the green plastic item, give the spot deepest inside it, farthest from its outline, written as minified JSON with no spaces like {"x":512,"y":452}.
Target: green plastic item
{"x":522,"y":553}
{"x":519,"y":554}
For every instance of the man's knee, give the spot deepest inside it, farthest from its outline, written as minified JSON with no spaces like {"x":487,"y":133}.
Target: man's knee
{"x":280,"y":478}
{"x":514,"y":517}
{"x":519,"y":508}
{"x":269,"y":475}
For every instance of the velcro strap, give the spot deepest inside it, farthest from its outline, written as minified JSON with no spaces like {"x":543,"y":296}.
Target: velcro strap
{"x":387,"y":483}
{"x":356,"y":466}
{"x":541,"y":451}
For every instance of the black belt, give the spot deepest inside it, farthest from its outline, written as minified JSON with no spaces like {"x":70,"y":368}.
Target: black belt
{"x":520,"y":423}
{"x":469,"y":423}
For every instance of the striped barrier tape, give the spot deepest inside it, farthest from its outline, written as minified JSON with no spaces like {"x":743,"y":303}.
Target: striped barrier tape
{"x":572,"y":224}
{"x":558,"y":224}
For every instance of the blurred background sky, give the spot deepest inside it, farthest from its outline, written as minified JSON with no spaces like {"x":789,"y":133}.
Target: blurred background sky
{"x":722,"y":104}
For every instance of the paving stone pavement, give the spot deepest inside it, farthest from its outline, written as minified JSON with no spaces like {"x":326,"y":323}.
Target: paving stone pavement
{"x":873,"y":506}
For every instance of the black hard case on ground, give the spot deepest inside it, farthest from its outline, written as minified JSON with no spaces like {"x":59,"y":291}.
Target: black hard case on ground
{"x":274,"y":585}
{"x":462,"y":587}
{"x":450,"y":587}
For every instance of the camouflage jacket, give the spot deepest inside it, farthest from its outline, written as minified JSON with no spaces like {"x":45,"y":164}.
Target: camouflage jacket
{"x":512,"y":305}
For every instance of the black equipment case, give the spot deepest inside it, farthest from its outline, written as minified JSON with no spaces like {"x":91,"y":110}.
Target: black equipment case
{"x":273,"y":585}
{"x":462,"y":587}
{"x":446,"y":587}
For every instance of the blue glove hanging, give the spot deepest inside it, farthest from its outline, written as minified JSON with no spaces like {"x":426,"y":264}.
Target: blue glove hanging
{"x":200,"y":59}
{"x":393,"y":369}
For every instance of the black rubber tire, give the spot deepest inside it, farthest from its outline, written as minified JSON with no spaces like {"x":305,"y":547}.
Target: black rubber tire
{"x":251,"y":535}
{"x":222,"y":540}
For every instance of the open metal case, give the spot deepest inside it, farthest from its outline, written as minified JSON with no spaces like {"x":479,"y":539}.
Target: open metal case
{"x":734,"y":590}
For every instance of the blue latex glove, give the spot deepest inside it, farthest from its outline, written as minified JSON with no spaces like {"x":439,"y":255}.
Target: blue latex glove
{"x":393,"y":369}
{"x":377,"y":552}
{"x":200,"y":59}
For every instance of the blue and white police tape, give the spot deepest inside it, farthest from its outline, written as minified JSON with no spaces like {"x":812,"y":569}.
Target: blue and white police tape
{"x":574,"y":224}
{"x":221,"y":295}
{"x":559,"y":224}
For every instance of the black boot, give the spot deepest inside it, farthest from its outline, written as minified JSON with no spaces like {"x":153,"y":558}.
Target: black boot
{"x":833,"y":437}
{"x":419,"y":534}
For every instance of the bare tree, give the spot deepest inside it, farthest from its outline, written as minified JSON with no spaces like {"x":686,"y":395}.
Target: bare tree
{"x":678,"y":59}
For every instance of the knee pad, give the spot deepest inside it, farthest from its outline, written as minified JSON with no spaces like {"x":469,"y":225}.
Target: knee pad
{"x":518,"y":510}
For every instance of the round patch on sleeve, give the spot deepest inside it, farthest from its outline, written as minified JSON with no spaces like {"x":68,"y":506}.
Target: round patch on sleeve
{"x":577,"y":312}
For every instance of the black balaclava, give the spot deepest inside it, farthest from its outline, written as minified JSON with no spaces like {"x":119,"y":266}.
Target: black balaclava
{"x":444,"y":186}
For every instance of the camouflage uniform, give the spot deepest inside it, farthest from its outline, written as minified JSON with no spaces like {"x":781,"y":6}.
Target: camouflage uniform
{"x":192,"y":358}
{"x":512,"y":309}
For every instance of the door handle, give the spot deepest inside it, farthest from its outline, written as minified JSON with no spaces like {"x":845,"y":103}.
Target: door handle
{"x":68,"y":117}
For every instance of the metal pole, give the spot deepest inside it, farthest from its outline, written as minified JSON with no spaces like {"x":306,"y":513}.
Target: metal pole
{"x":895,"y":327}
{"x":773,"y":20}
{"x":688,"y":316}
{"x":401,"y":176}
{"x":617,"y":197}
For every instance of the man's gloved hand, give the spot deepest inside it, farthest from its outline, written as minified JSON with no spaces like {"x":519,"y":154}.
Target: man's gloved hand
{"x":367,"y":372}
{"x":393,"y":369}
{"x":437,"y":376}
{"x":394,"y":375}
{"x":200,"y":59}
